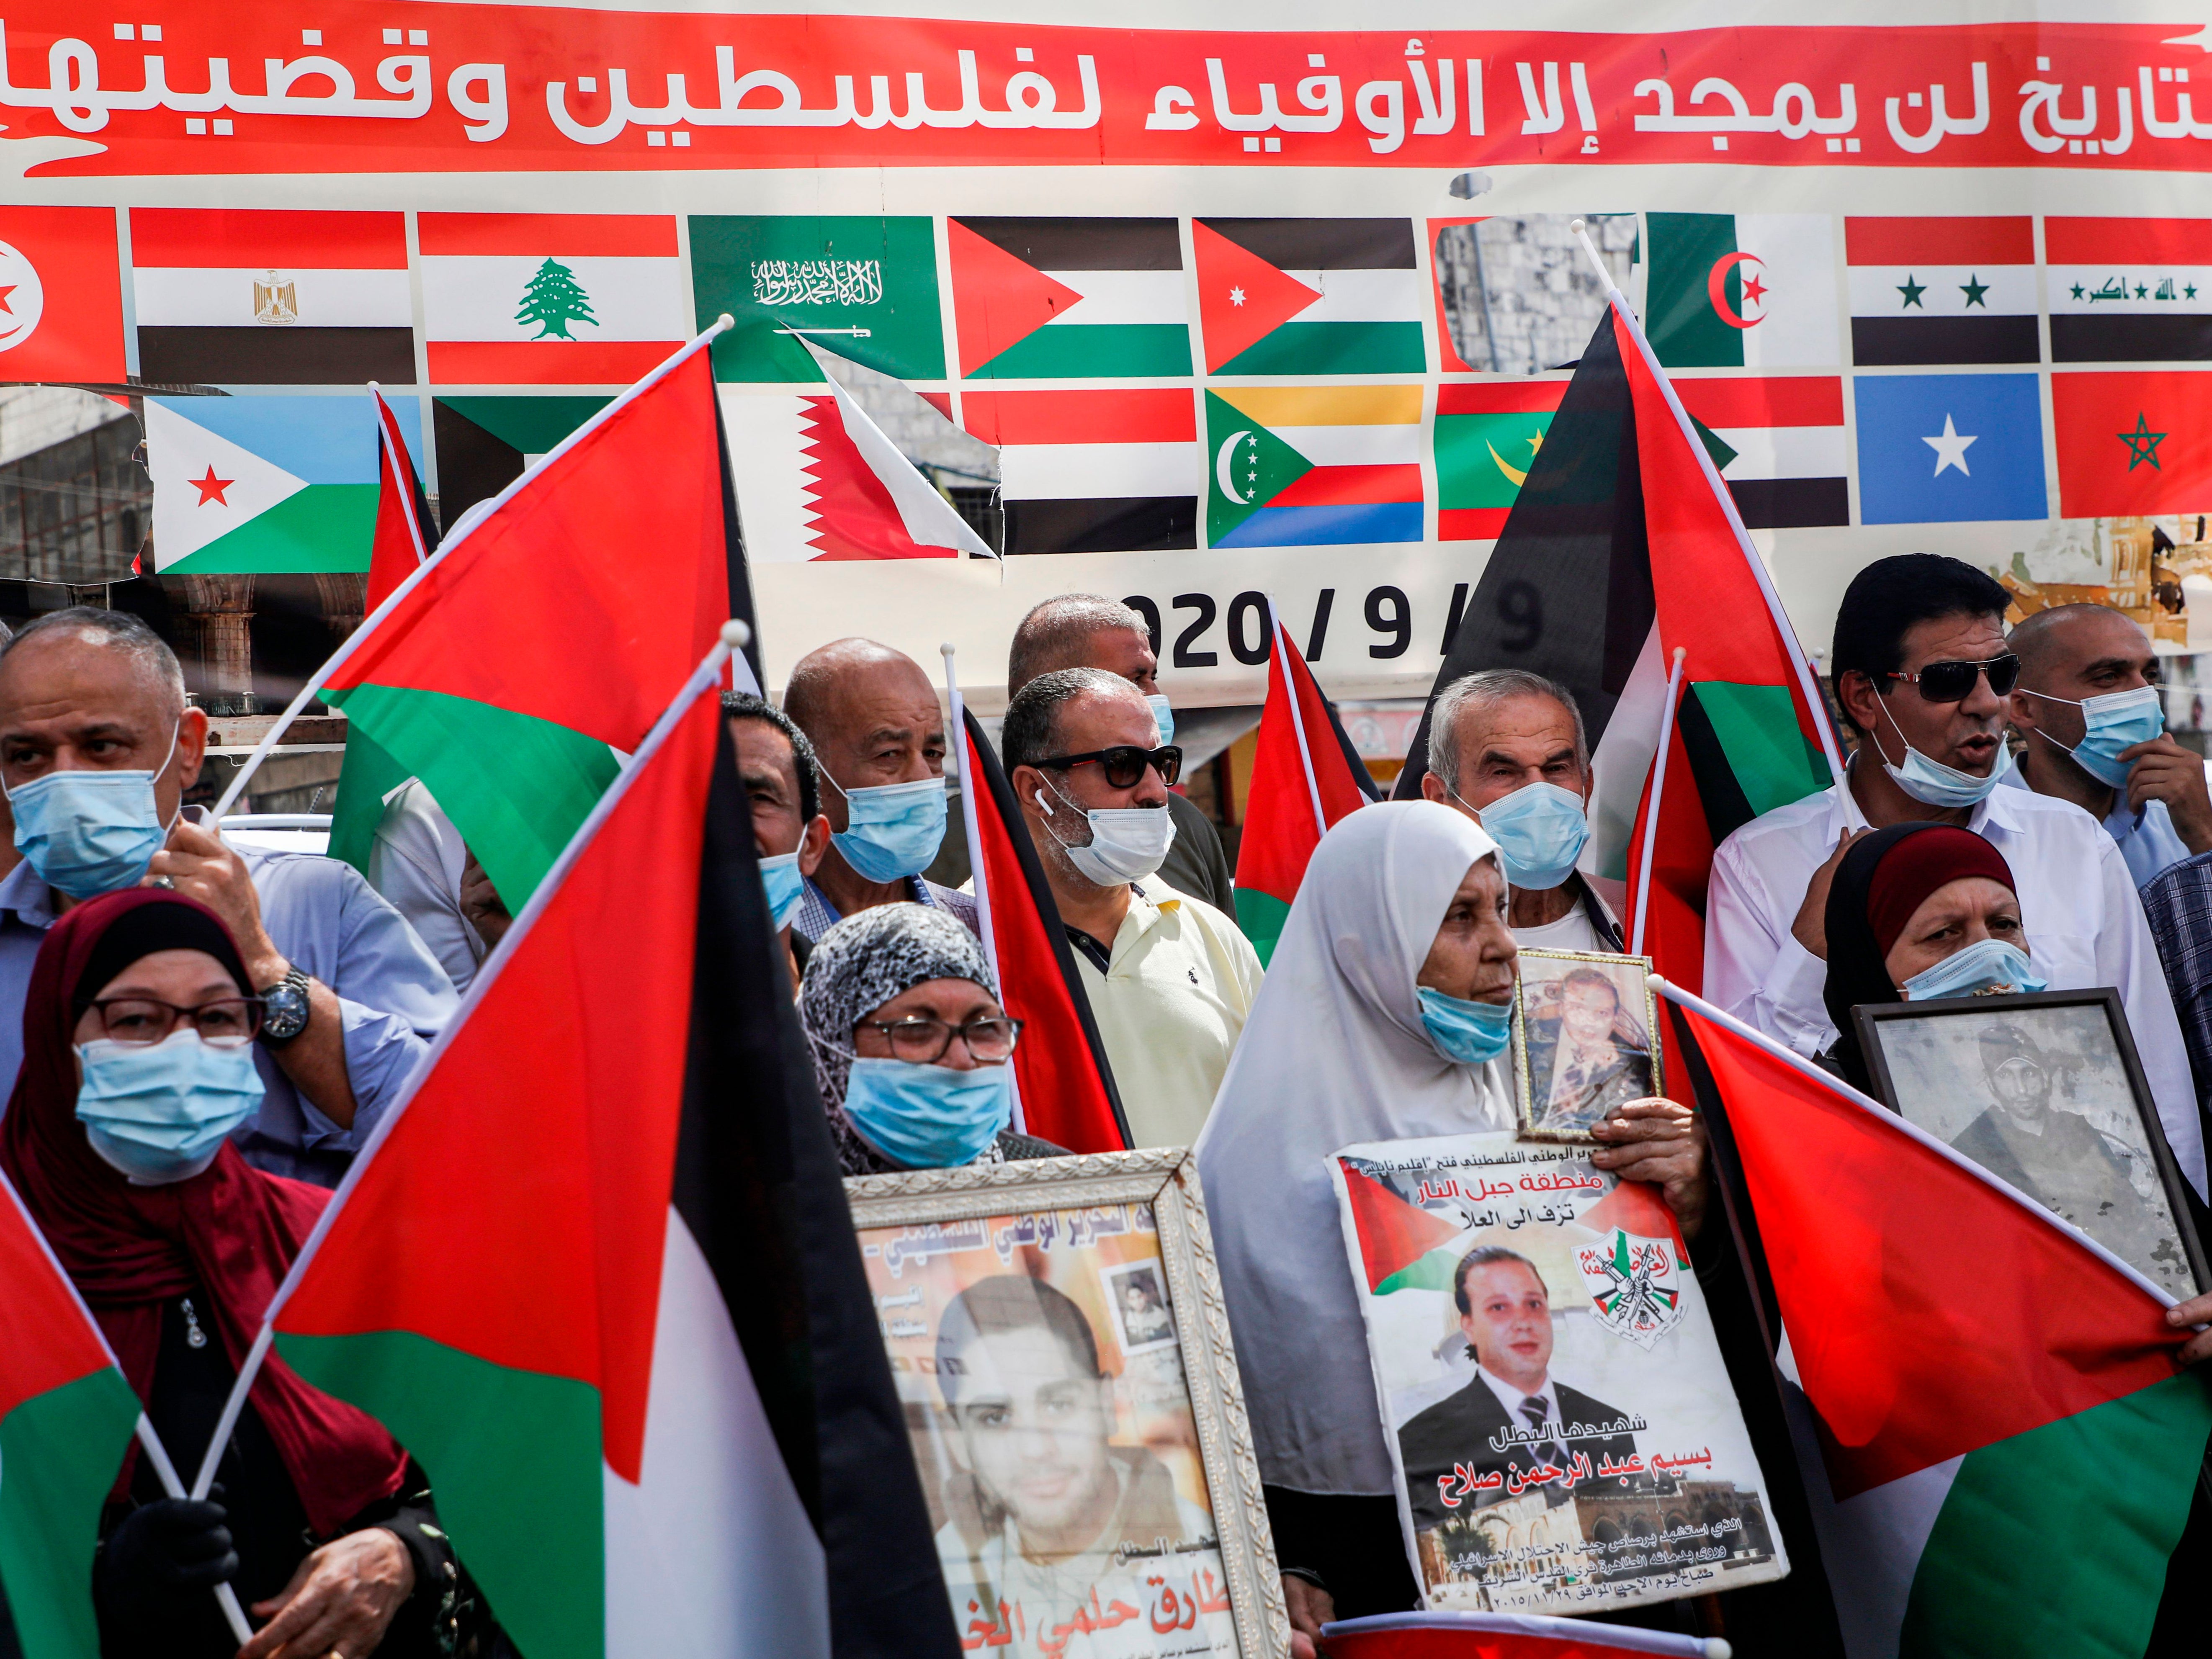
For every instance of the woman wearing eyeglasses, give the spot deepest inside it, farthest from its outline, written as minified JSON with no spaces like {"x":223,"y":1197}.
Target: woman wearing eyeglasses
{"x":138,"y":1036}
{"x":912,"y":1051}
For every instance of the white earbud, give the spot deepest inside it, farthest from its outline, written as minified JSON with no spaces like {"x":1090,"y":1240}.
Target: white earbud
{"x":1042,"y":802}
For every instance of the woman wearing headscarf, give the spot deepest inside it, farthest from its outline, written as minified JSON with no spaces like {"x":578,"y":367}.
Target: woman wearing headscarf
{"x":912,"y":1051}
{"x":137,"y":1062}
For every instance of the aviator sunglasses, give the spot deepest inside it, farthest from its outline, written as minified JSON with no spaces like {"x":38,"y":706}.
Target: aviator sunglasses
{"x":1954,"y":682}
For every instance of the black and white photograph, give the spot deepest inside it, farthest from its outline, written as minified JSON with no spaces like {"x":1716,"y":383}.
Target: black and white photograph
{"x":1583,"y":1041}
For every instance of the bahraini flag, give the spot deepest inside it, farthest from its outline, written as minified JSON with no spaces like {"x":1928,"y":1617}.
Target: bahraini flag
{"x":1950,"y":290}
{"x":2129,"y":290}
{"x":1742,"y":290}
{"x":1068,"y":299}
{"x":1309,"y":296}
{"x":1313,"y":466}
{"x":1084,"y":470}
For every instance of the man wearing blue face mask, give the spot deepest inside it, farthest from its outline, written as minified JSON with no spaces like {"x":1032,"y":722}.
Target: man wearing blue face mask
{"x":775,"y":764}
{"x":2089,"y":707}
{"x":878,"y":737}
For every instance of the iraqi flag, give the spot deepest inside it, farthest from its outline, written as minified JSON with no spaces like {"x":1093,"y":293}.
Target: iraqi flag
{"x":1068,"y":299}
{"x":1963,"y":1354}
{"x":1306,"y":777}
{"x":1309,"y":296}
{"x":1503,"y":1636}
{"x":2129,"y":290}
{"x":1742,"y":290}
{"x":1951,"y":290}
{"x":1093,"y":471}
{"x":596,"y":1272}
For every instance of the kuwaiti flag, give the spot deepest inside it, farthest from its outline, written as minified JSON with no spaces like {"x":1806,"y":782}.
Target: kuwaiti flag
{"x":2133,"y":443}
{"x":1307,"y":466}
{"x":1486,"y":437}
{"x":1742,"y":290}
{"x":263,"y":296}
{"x":1964,"y":1354}
{"x":550,"y":299}
{"x":1094,"y":471}
{"x":595,"y":1270}
{"x":1503,"y":1636}
{"x":1068,"y":299}
{"x":1306,"y":777}
{"x":285,"y":483}
{"x":485,"y":443}
{"x":1783,"y":453}
{"x":1309,"y":296}
{"x":2129,"y":290}
{"x":1951,"y":290}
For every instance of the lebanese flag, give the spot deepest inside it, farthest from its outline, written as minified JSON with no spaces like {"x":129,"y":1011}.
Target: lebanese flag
{"x":1067,"y":1088}
{"x":595,"y":1269}
{"x":1305,"y":777}
{"x":1961,"y":1351}
{"x":1503,"y":1636}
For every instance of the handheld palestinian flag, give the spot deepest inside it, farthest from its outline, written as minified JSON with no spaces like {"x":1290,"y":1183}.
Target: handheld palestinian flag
{"x":66,"y":1417}
{"x":1305,"y":776}
{"x":1503,"y":1636}
{"x":596,"y":1272}
{"x":1963,"y":1353}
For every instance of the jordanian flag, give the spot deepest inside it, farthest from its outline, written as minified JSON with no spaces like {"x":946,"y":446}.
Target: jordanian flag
{"x":1965,"y":1356}
{"x":1305,"y":777}
{"x":66,"y":1417}
{"x":1309,"y":296}
{"x":597,"y":1272}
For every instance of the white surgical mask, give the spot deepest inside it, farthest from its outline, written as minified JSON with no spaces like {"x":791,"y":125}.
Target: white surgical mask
{"x":1934,"y":784}
{"x":1127,"y":844}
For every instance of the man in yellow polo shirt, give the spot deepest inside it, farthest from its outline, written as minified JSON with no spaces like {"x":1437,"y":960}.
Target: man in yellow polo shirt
{"x":1171,"y":979}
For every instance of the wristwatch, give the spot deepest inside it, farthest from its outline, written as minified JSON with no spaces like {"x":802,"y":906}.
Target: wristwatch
{"x":285,"y":1009}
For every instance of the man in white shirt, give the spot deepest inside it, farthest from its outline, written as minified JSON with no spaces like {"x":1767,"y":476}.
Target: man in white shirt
{"x":1921,"y":668}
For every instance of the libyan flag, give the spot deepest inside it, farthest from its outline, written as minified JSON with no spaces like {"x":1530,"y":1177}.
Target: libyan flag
{"x":597,"y":1273}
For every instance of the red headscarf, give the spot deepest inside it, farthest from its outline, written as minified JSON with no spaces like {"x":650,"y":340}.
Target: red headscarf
{"x":231,"y":1232}
{"x":1917,"y":866}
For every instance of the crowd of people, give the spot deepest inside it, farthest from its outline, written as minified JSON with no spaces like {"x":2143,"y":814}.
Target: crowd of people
{"x":205,"y":1033}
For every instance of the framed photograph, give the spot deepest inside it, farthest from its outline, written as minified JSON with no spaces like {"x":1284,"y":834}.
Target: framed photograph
{"x":1056,"y":1331}
{"x":2044,"y":1091}
{"x":1582,"y":1041}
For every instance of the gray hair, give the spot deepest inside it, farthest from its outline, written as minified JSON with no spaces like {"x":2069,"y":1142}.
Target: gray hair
{"x":125,"y":632}
{"x":1029,"y":733}
{"x":1487,"y":689}
{"x":1054,"y":634}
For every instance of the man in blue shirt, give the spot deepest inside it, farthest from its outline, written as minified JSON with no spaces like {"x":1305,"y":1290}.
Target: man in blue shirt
{"x":97,"y":748}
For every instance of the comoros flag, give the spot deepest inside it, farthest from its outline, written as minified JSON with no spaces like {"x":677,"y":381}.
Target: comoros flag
{"x":597,"y":1273}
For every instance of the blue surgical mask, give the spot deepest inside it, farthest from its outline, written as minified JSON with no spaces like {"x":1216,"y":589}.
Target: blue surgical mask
{"x":786,"y":887}
{"x":893,"y":830}
{"x":1467,"y":1031}
{"x":1934,"y":784}
{"x":1164,"y":715}
{"x":929,"y":1117}
{"x":1539,"y":829}
{"x":90,"y":832}
{"x":1986,"y":965}
{"x":2117,"y":720}
{"x":160,"y":1111}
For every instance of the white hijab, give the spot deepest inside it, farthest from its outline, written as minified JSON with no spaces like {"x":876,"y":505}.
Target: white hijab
{"x":1333,"y":1054}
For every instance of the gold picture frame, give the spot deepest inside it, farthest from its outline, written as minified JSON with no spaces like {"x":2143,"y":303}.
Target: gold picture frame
{"x":1630,"y":1073}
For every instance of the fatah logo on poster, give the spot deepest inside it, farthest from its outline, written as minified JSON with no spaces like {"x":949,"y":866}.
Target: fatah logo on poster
{"x":22,"y":298}
{"x":1634,"y":1284}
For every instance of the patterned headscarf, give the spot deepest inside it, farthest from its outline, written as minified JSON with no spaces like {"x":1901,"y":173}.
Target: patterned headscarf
{"x":856,"y":968}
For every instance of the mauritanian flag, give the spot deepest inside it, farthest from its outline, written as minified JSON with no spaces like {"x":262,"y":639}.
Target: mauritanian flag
{"x":1963,"y":1354}
{"x":264,"y":296}
{"x":1068,"y":299}
{"x":66,"y":1417}
{"x":1485,"y":438}
{"x":280,"y":483}
{"x":1309,"y":296}
{"x":596,"y":1272}
{"x":2129,"y":290}
{"x":550,"y":299}
{"x":2136,"y":442}
{"x":1305,"y":777}
{"x":1952,"y":290}
{"x":1781,"y":445}
{"x":1094,"y":471}
{"x":1308,"y":467}
{"x":1742,"y":290}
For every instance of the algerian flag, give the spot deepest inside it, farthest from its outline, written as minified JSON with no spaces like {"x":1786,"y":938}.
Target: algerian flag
{"x":1742,"y":290}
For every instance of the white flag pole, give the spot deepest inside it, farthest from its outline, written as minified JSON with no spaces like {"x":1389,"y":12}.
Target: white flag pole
{"x":157,"y":1455}
{"x":1280,"y":650}
{"x":972,"y":825}
{"x":1651,"y":812}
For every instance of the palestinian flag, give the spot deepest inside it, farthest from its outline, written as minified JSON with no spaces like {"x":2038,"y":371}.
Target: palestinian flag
{"x":1486,"y":438}
{"x":1952,"y":290}
{"x":1311,"y":466}
{"x":1305,"y":777}
{"x":869,"y":282}
{"x":1504,"y":1636}
{"x":2129,"y":290}
{"x":470,"y":682}
{"x":1061,"y":1072}
{"x":2133,"y":442}
{"x":1068,"y":299}
{"x":61,"y":295}
{"x":1623,"y":546}
{"x":66,"y":1417}
{"x":484,"y":443}
{"x":1781,"y":447}
{"x":1401,"y":1245}
{"x":1309,"y":296}
{"x":597,"y":1273}
{"x":1956,"y":1374}
{"x":1742,"y":290}
{"x":1083,"y":470}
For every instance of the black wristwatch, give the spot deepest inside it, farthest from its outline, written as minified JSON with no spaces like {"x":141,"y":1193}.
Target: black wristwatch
{"x":285,"y":1008}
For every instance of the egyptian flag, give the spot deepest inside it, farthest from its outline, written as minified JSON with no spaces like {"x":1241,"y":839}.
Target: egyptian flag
{"x":596,"y":1271}
{"x":1061,"y":1072}
{"x":1623,"y":546}
{"x":1503,"y":1636}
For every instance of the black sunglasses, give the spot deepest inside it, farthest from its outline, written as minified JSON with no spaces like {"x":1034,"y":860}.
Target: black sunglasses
{"x":1954,"y":682}
{"x":1125,"y":763}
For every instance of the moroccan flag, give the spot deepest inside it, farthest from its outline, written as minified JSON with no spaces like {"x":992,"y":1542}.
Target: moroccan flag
{"x":2133,"y":442}
{"x":1060,"y":1071}
{"x":1305,"y":777}
{"x":1309,"y":296}
{"x":1743,"y":291}
{"x":1963,"y":1353}
{"x":1503,"y":1636}
{"x":66,"y":1417}
{"x":1068,"y":299}
{"x":1623,"y":545}
{"x":598,"y":1275}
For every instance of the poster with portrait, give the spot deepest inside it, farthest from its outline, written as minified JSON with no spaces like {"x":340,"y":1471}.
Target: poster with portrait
{"x":2046,"y":1093}
{"x":1039,"y":1327}
{"x":1582,"y":1041}
{"x":1565,"y":1435}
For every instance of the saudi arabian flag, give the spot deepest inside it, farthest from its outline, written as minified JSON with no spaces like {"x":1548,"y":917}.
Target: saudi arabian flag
{"x":1742,"y":290}
{"x":864,"y":287}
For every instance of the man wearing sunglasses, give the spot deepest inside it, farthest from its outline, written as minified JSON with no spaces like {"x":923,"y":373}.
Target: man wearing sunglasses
{"x":1922,"y":670}
{"x":1170,"y":978}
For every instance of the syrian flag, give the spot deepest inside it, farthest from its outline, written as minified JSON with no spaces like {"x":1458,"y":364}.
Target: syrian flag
{"x":1624,"y":546}
{"x":595,"y":1270}
{"x":1949,"y":1376}
{"x":1305,"y":776}
{"x":1503,"y":1636}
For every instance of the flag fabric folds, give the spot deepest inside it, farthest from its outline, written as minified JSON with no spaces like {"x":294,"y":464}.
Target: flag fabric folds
{"x":1502,"y":1635}
{"x":597,"y":1273}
